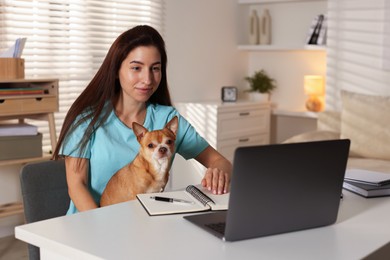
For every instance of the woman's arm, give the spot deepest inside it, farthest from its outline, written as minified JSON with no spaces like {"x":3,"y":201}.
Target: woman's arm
{"x":218,"y":173}
{"x":77,"y":179}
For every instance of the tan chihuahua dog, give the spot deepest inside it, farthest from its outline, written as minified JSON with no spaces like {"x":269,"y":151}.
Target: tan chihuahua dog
{"x":150,"y":169}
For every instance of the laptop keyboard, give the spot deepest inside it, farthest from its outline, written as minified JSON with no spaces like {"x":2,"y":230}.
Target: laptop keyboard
{"x":218,"y":227}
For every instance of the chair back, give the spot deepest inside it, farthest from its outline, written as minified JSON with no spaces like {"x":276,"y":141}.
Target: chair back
{"x":45,"y":193}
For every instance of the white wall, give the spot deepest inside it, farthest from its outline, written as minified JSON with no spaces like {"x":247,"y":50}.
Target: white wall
{"x":202,"y":52}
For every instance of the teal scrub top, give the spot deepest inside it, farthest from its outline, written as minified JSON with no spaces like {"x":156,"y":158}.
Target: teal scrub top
{"x":113,"y":145}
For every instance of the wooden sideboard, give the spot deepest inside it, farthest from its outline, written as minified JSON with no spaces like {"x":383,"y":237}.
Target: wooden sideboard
{"x":21,"y":106}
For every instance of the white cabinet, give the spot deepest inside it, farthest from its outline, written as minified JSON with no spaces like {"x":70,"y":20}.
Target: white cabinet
{"x":227,"y":126}
{"x":287,"y":123}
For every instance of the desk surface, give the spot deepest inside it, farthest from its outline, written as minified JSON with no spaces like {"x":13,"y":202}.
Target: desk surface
{"x":125,"y":231}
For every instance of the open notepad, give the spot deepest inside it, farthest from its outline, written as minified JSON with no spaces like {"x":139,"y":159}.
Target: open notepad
{"x":203,"y":200}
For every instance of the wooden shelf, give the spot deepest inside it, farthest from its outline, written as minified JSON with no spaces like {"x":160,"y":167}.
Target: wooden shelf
{"x":10,"y":209}
{"x":281,"y":48}
{"x":45,"y":157}
{"x":20,"y":107}
{"x":31,"y":80}
{"x":273,"y":1}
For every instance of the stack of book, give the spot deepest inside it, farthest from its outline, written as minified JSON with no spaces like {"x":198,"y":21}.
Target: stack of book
{"x":22,"y":91}
{"x":18,"y":129}
{"x":367,"y":183}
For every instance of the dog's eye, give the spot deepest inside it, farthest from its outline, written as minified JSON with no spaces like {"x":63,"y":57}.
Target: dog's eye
{"x":150,"y":145}
{"x":169,"y":142}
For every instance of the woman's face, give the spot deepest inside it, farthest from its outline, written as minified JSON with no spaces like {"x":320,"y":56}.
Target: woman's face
{"x":140,"y":73}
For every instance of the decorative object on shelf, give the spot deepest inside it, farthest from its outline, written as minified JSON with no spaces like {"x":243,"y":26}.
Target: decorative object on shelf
{"x":265,"y":27}
{"x":314,"y":88}
{"x":229,"y":94}
{"x":254,"y":28}
{"x":318,"y":31}
{"x":11,"y":68}
{"x":261,"y":85}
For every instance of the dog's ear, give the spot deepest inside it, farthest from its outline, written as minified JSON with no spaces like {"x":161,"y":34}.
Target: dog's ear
{"x":173,"y":124}
{"x":139,"y":131}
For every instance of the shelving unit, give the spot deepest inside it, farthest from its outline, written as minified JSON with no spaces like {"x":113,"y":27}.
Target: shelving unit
{"x":28,"y":106}
{"x":286,"y":36}
{"x":288,"y":58}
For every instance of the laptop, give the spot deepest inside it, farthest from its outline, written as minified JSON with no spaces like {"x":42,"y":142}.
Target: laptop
{"x":280,"y":188}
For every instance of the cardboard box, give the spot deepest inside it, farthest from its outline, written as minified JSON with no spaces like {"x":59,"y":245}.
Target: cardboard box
{"x":11,"y":68}
{"x":19,"y":147}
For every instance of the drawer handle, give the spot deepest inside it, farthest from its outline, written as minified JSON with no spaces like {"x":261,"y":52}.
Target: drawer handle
{"x":2,"y":101}
{"x":243,"y":140}
{"x":38,"y":99}
{"x":245,"y":114}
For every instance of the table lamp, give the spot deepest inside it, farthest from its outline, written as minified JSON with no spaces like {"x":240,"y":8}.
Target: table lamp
{"x":314,"y":88}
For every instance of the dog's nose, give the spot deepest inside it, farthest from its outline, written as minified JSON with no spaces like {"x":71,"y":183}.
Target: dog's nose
{"x":162,"y":150}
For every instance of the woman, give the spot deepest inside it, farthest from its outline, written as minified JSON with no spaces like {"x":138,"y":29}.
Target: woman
{"x":130,"y":86}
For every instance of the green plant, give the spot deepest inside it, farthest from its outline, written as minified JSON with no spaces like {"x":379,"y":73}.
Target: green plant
{"x":261,"y":82}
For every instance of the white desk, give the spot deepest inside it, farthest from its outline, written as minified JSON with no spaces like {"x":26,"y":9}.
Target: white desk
{"x":125,"y":231}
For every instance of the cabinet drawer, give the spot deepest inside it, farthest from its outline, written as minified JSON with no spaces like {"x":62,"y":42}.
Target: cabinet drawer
{"x":244,"y":122}
{"x":227,"y":147}
{"x":28,"y":106}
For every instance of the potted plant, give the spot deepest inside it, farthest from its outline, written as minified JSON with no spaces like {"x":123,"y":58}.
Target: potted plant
{"x":261,"y":85}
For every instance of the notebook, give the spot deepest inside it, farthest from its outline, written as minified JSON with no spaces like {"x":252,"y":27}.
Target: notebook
{"x":280,"y":188}
{"x":192,"y":199}
{"x":367,"y":177}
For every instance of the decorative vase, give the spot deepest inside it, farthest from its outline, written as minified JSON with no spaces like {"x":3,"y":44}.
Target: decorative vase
{"x":254,"y":28}
{"x":265,"y":28}
{"x":259,"y":97}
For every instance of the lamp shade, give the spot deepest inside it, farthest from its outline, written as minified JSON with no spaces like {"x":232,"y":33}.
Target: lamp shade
{"x":314,"y":85}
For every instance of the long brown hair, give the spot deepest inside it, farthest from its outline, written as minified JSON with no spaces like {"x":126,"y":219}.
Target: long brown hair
{"x":105,"y":85}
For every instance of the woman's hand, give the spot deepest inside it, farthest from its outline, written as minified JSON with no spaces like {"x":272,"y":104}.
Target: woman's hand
{"x":216,"y":181}
{"x":218,"y":173}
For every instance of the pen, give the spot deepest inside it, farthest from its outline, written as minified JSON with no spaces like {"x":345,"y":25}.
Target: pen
{"x":171,"y":200}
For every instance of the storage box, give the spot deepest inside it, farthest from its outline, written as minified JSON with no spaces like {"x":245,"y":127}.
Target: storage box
{"x":19,"y":147}
{"x":11,"y":68}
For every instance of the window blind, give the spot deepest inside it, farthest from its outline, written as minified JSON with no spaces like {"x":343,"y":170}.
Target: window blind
{"x":68,"y":39}
{"x":358,"y":44}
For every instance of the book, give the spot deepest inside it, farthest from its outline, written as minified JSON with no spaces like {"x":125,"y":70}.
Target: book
{"x":367,"y":177}
{"x":314,"y":31}
{"x":20,"y":129}
{"x":198,"y":198}
{"x":366,"y":190}
{"x":321,"y":40}
{"x":22,"y":91}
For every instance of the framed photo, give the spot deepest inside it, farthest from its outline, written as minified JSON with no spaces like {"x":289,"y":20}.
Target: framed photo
{"x":229,"y":94}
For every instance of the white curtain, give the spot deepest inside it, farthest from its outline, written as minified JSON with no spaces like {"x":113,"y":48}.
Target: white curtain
{"x":358,"y":48}
{"x":68,"y":39}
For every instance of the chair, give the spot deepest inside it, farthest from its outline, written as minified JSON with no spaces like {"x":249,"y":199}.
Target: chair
{"x":44,"y":192}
